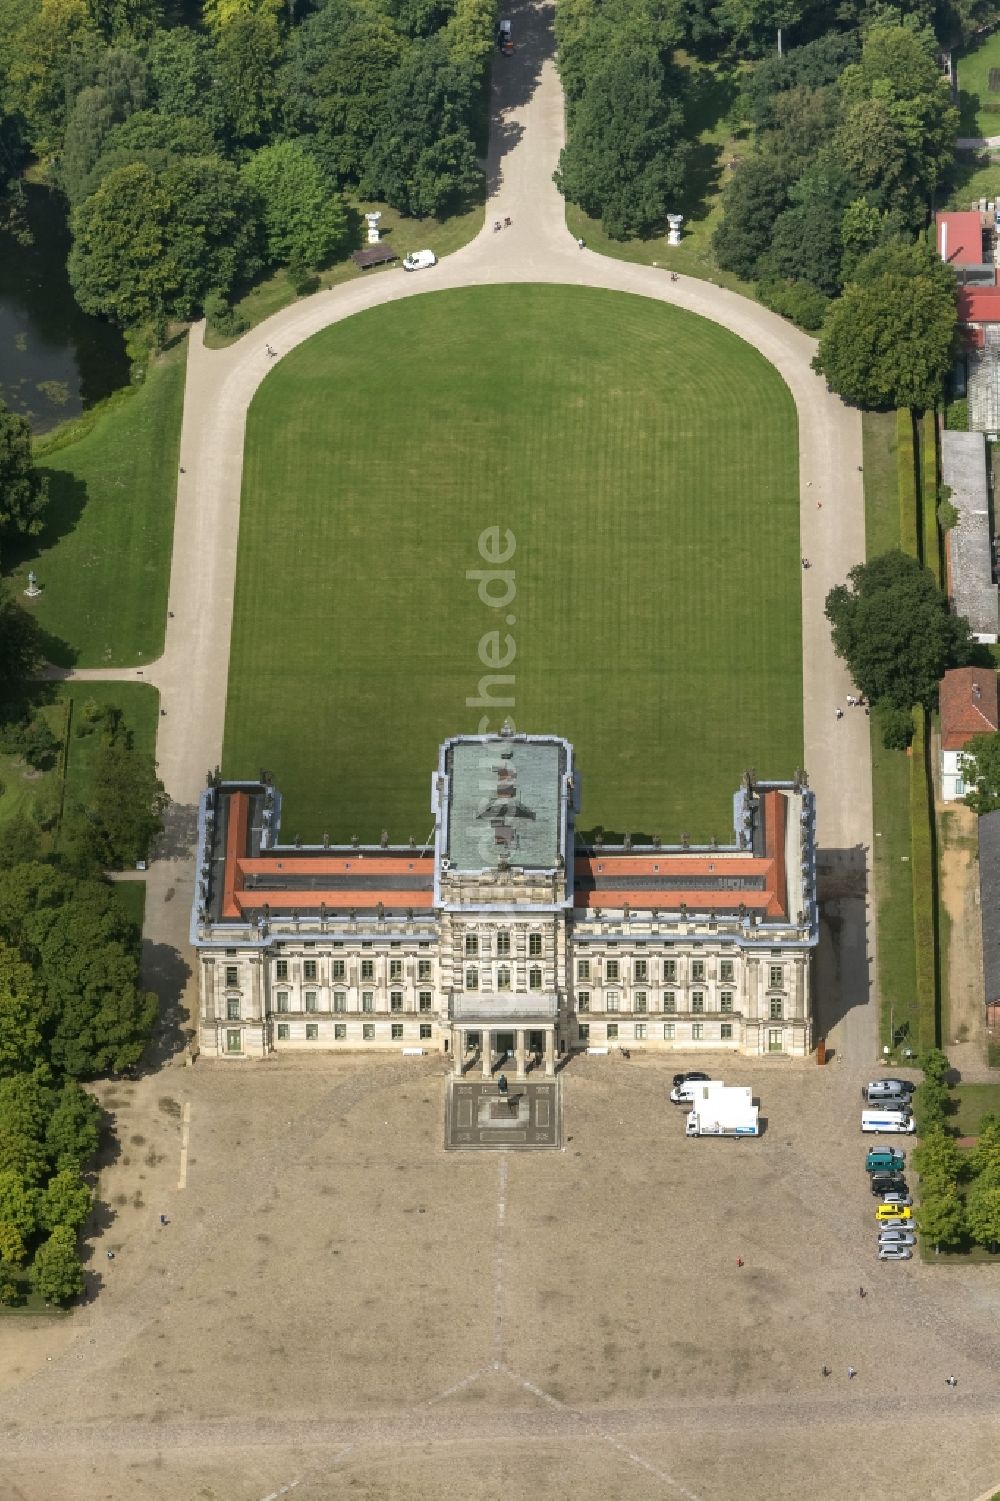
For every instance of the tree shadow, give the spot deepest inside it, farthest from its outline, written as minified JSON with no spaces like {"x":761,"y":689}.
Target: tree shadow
{"x":842,"y":978}
{"x":166,"y":972}
{"x":67,"y":502}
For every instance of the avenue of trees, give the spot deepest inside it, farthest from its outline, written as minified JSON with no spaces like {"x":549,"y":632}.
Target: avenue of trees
{"x":197,"y":147}
{"x":947,"y":1216}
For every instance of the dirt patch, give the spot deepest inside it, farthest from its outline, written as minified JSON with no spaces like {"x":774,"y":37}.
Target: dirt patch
{"x":964,"y":1029}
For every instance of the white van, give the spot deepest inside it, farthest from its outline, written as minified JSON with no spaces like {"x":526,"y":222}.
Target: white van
{"x":888,"y":1120}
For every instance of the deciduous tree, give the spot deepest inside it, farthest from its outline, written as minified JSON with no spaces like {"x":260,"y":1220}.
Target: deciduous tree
{"x":66,"y":1201}
{"x":21,"y":1040}
{"x":304,"y":219}
{"x":56,"y":1270}
{"x":940,"y":1216}
{"x":981,"y":773}
{"x":24,"y":492}
{"x":423,"y":158}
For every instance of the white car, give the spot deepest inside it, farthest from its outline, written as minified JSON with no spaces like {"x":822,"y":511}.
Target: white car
{"x":893,"y":1253}
{"x":896,"y":1198}
{"x":897,"y":1238}
{"x":419,"y":260}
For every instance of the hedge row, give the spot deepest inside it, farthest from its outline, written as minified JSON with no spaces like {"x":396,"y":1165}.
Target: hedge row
{"x":924,"y":881}
{"x":906,"y":465}
{"x":929,"y":496}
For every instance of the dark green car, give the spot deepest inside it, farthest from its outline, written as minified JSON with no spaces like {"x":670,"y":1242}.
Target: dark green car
{"x":884,"y":1160}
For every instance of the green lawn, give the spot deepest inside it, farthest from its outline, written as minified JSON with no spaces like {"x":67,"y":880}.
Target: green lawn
{"x":645,"y":462}
{"x":132,"y":896}
{"x":974,"y":1101}
{"x":979,"y":105}
{"x":103,"y":560}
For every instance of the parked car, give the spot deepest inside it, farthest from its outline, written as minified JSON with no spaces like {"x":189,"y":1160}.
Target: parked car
{"x":895,"y":1197}
{"x":680,"y":1079}
{"x":885,"y":1160}
{"x":886,"y":1183}
{"x":893,"y":1212}
{"x":897,"y":1238}
{"x":887,"y":1089}
{"x":894,"y":1253}
{"x":419,"y":260}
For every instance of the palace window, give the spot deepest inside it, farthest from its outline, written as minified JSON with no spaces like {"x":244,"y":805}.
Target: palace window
{"x":232,"y":974}
{"x":697,"y":1031}
{"x":282,"y":1000}
{"x":234,"y":1041}
{"x":697,"y":1000}
{"x":534,"y":944}
{"x":310,"y":1000}
{"x":584,"y":1030}
{"x":583,"y":1001}
{"x":283,"y":1031}
{"x":611,"y":1001}
{"x":368,"y":969}
{"x":425,"y":1000}
{"x":340,"y":1032}
{"x":612,"y":1031}
{"x":668,"y":1031}
{"x":669,"y":1001}
{"x":640,"y":1031}
{"x":534,"y":978}
{"x":426,"y":1031}
{"x":726,"y":969}
{"x":641,"y":969}
{"x":670,"y":970}
{"x":395,"y":1000}
{"x":503,"y":978}
{"x":423,"y":969}
{"x":232,"y":1009}
{"x":611,"y":969}
{"x":281,"y":969}
{"x":776,"y":1006}
{"x":640,"y":1000}
{"x":368,"y":1032}
{"x":503,"y":945}
{"x":309,"y":969}
{"x":340,"y":1000}
{"x":368,"y":1000}
{"x":583,"y":969}
{"x":472,"y":945}
{"x":338,"y":971}
{"x":472,"y":979}
{"x":726,"y":1031}
{"x":777,"y":977}
{"x":726,"y":1000}
{"x":697,"y":969}
{"x":395,"y":969}
{"x":397,"y":1031}
{"x":312,"y":1032}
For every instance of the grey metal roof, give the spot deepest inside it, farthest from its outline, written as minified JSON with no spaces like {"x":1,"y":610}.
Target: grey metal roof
{"x":989,"y":901}
{"x":973,"y":592}
{"x":505,"y":803}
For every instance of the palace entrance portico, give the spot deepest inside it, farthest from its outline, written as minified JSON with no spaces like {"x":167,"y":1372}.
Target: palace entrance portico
{"x":498,"y":1028}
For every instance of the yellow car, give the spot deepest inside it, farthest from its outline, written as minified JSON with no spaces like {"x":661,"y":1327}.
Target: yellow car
{"x":893,"y":1212}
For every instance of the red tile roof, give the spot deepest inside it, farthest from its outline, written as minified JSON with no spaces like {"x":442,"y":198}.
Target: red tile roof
{"x":979,"y":304}
{"x":964,"y":712}
{"x":960,"y":238}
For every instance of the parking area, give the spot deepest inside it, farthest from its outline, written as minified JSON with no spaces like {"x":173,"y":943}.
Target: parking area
{"x":340,"y":1303}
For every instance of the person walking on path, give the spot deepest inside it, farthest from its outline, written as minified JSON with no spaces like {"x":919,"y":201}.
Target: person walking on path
{"x":951,"y":1380}
{"x":838,"y":711}
{"x":851,"y":1373}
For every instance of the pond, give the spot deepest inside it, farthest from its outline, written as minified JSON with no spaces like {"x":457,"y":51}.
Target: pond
{"x":54,"y":360}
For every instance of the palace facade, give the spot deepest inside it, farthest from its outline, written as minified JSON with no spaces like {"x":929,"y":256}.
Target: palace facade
{"x":508,"y":937}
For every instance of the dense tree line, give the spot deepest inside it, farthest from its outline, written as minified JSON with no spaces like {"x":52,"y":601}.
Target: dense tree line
{"x":959,"y":1191}
{"x":193,"y":153}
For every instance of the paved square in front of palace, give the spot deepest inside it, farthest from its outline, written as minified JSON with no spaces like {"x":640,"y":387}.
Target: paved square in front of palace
{"x":479,"y":1118}
{"x":339,"y":1306}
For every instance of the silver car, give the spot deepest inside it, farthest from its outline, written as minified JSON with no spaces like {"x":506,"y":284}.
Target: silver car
{"x":894,"y":1253}
{"x":897,"y":1238}
{"x":896,"y":1198}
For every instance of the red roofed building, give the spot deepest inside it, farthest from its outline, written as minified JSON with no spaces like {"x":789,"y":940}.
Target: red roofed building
{"x":968,"y":706}
{"x":508,"y":937}
{"x":960,"y":238}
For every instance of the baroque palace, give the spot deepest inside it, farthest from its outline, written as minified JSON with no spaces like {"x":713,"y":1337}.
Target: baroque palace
{"x":510,"y":938}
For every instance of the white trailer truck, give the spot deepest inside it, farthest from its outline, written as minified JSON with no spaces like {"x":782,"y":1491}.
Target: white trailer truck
{"x":723,"y":1110}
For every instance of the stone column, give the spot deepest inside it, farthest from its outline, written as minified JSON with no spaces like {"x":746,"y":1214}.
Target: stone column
{"x":458,"y":1046}
{"x":550,"y":1052}
{"x":487,"y":1045}
{"x":519,"y":1041}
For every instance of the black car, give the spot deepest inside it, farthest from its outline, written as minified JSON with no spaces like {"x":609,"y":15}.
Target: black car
{"x":691,"y":1078}
{"x":888,"y":1183}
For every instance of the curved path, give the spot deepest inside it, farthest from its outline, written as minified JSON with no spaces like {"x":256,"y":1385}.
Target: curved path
{"x":192,"y":673}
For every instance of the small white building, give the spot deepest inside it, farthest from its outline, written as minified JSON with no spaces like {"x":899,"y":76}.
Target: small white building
{"x":968,"y":704}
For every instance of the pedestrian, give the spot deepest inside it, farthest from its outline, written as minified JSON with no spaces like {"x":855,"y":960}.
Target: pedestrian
{"x":183,"y":470}
{"x":851,"y":1373}
{"x":826,"y":1370}
{"x":809,"y":484}
{"x":739,"y":1261}
{"x":673,"y":276}
{"x":579,"y":244}
{"x":806,"y":563}
{"x":507,"y":222}
{"x":164,"y":1220}
{"x":819,"y":505}
{"x":862,"y":1293}
{"x":951,"y":1380}
{"x":111,"y":1255}
{"x":839,"y":712}
{"x":851,"y":701}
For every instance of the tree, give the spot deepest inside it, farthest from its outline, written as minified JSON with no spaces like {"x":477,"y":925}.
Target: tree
{"x":981,"y":773}
{"x":56,"y":1269}
{"x":55,"y":36}
{"x":248,"y":55}
{"x":892,"y":626}
{"x":12,"y":1251}
{"x":937,"y":1159}
{"x":935,"y":1066}
{"x":129,"y":802}
{"x":303,"y":215}
{"x":929,"y":1107}
{"x":940,"y":1215}
{"x":982,"y":1213}
{"x":72,"y":1130}
{"x":24,"y":492}
{"x":625,"y":157}
{"x":148,"y":245}
{"x":985,"y":1158}
{"x":18,"y":1203}
{"x":120,"y":89}
{"x":756,"y":195}
{"x":423,"y":158}
{"x":21,"y":1041}
{"x":66,"y":1201}
{"x":183,"y":76}
{"x":889,"y":340}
